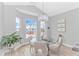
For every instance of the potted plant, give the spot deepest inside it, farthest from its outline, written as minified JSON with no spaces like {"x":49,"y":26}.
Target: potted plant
{"x":10,"y":39}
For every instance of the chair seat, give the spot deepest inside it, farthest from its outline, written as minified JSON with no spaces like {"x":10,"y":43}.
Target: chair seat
{"x":40,"y":49}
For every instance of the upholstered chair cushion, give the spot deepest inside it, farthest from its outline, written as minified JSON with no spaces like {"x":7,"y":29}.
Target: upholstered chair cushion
{"x":40,"y":49}
{"x":55,"y":47}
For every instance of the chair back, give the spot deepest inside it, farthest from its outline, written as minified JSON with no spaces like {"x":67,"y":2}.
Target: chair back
{"x":60,"y":40}
{"x":40,"y":49}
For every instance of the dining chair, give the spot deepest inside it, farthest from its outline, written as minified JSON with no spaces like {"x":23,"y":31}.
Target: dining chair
{"x":40,"y":49}
{"x":54,"y":48}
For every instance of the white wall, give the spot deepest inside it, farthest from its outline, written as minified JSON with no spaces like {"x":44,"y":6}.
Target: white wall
{"x":71,"y":36}
{"x":1,"y":19}
{"x":10,"y":14}
{"x":9,"y":19}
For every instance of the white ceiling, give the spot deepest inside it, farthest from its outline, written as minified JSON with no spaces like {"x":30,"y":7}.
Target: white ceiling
{"x":51,"y":8}
{"x":54,"y":8}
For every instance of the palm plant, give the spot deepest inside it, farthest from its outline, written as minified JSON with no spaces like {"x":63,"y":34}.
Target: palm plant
{"x":9,"y":40}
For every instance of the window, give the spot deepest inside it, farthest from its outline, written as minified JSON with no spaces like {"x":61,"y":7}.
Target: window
{"x":31,"y":27}
{"x":43,"y":28}
{"x":43,"y":22}
{"x":17,"y":23}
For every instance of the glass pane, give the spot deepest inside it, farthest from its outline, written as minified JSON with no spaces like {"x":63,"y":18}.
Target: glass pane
{"x":17,"y":23}
{"x":31,"y":28}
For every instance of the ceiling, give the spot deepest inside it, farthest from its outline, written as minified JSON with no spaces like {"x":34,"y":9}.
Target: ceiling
{"x":51,"y":8}
{"x":54,"y":8}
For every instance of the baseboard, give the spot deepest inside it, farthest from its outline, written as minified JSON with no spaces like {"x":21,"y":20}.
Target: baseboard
{"x":67,"y":45}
